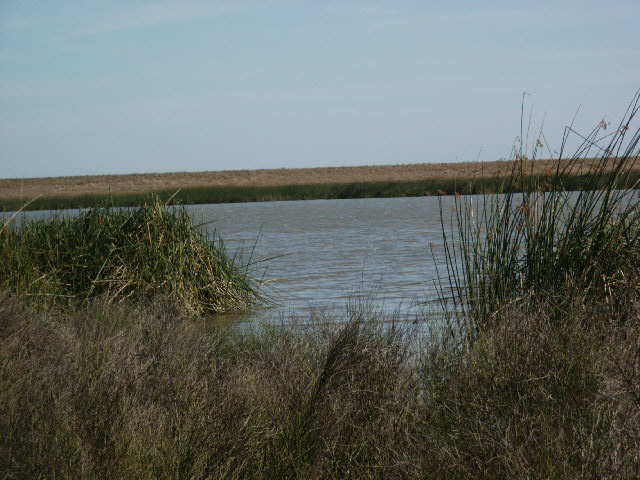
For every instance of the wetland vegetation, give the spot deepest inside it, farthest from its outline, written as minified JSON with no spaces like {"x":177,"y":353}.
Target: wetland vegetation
{"x":313,"y":191}
{"x":123,"y":254}
{"x":536,"y":376}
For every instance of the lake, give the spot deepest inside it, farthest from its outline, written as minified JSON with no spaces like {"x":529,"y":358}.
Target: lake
{"x":319,"y":255}
{"x":324,"y":254}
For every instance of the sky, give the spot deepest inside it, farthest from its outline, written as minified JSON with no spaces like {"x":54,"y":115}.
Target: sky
{"x":95,"y":87}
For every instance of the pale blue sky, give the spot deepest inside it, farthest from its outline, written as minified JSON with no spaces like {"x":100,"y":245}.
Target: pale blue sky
{"x":90,"y":87}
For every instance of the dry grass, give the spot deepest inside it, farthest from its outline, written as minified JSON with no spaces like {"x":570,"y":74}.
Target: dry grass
{"x":116,"y":392}
{"x":152,"y":182}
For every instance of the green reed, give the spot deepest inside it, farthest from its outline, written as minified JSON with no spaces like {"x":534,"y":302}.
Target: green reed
{"x":541,"y":239}
{"x":138,"y":253}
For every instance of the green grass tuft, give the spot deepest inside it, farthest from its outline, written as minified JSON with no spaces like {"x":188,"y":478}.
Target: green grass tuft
{"x":121,"y":254}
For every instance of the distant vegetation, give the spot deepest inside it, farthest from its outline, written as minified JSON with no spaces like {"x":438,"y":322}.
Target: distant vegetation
{"x":235,"y":194}
{"x":535,"y":374}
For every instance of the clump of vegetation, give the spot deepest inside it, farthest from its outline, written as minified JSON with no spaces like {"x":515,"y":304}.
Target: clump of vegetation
{"x":540,"y":239}
{"x":134,"y":254}
{"x":537,"y":372}
{"x":534,"y":397}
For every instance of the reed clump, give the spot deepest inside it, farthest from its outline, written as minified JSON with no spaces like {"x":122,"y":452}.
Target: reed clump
{"x":123,"y":254}
{"x":536,"y":373}
{"x":541,"y":239}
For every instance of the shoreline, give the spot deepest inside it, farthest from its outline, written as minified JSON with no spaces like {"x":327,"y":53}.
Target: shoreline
{"x":28,"y":188}
{"x":239,"y":186}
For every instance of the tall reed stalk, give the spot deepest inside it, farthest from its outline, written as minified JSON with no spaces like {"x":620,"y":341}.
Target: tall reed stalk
{"x":546,"y":241}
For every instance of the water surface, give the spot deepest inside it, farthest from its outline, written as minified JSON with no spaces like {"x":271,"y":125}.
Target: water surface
{"x":319,"y":254}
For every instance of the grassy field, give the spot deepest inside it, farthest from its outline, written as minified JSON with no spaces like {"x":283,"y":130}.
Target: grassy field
{"x":27,"y":188}
{"x":282,"y":184}
{"x":233,"y":194}
{"x":537,"y":376}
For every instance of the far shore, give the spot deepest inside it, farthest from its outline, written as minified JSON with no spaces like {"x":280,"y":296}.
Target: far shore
{"x":232,"y":186}
{"x":28,"y":188}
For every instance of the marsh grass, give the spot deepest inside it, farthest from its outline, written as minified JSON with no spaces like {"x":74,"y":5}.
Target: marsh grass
{"x":121,"y":254}
{"x":231,"y":194}
{"x":534,"y":397}
{"x":542,"y":239}
{"x":114,"y":391}
{"x":536,"y":373}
